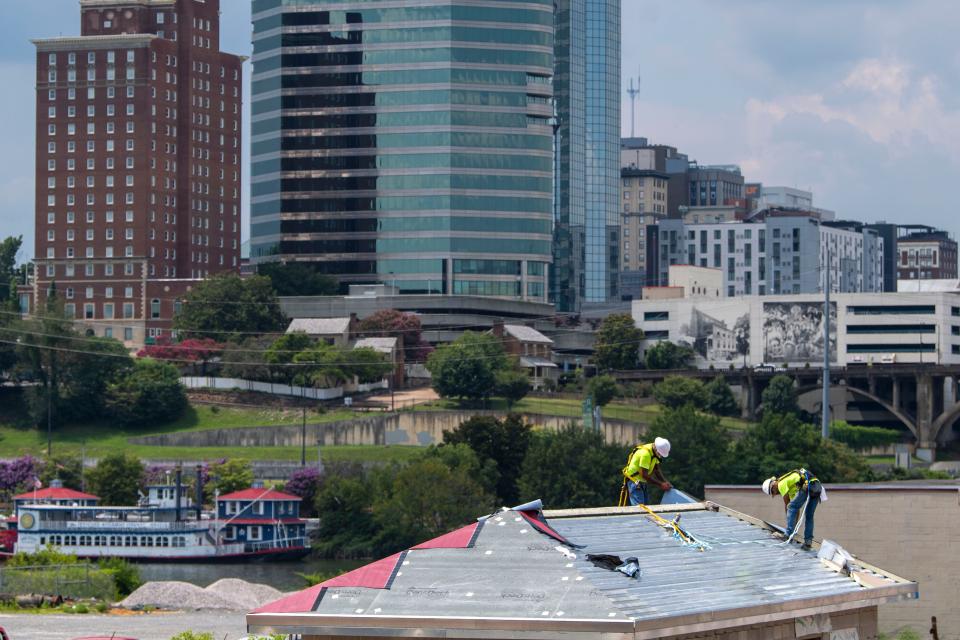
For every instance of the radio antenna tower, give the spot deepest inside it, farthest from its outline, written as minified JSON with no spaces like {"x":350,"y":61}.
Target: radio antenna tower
{"x":633,"y":93}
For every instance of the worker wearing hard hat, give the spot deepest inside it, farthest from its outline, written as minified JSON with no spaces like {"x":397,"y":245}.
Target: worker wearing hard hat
{"x":801,"y":492}
{"x":643,"y":465}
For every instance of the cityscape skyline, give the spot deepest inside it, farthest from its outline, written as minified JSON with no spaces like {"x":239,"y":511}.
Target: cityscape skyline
{"x":854,"y":118}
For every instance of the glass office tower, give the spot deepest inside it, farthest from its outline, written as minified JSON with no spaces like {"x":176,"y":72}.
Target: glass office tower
{"x":587,"y":211}
{"x":406,"y":143}
{"x":569,"y":81}
{"x":603,"y":151}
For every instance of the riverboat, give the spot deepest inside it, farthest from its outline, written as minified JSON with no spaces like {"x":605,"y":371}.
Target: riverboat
{"x":166,"y":526}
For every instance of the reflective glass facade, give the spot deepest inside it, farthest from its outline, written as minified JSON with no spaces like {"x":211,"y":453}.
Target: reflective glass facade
{"x":406,"y":143}
{"x":587,"y":85}
{"x":603,"y":151}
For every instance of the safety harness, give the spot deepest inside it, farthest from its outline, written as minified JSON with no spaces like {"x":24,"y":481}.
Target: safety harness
{"x":624,"y":493}
{"x":806,"y":478}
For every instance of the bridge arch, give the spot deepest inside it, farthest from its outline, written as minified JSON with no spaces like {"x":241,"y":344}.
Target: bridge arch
{"x":898,"y":414}
{"x":945,"y":419}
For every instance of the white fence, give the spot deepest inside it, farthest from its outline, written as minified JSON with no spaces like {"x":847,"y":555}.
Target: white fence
{"x":229,"y":384}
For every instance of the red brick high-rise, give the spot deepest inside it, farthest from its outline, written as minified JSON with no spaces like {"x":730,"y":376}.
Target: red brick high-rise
{"x":138,"y":162}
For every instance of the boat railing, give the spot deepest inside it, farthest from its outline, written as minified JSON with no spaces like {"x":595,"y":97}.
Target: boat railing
{"x":133,"y":525}
{"x":283,"y":543}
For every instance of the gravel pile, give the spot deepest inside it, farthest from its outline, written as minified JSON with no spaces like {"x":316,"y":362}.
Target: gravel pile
{"x":229,"y":594}
{"x":249,"y":595}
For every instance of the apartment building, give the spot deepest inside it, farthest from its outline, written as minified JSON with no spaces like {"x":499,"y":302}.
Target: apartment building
{"x":137,"y":162}
{"x":780,"y":254}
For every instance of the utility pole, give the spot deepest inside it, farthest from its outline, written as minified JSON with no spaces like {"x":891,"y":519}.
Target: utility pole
{"x":303,"y":427}
{"x":825,"y":417}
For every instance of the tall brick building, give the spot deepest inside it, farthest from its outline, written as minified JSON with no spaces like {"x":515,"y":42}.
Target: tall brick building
{"x":138,"y":162}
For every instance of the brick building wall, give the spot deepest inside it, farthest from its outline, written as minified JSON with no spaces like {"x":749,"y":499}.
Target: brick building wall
{"x":138,"y":162}
{"x":908,"y":529}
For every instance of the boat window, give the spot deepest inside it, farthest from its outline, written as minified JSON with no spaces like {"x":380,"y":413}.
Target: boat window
{"x":256,"y":533}
{"x":147,"y":541}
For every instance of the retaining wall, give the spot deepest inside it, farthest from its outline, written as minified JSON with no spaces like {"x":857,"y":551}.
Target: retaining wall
{"x":420,"y":428}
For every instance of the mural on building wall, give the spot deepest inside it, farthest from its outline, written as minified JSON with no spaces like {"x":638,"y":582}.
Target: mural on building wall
{"x":720,"y":336}
{"x":793,"y":332}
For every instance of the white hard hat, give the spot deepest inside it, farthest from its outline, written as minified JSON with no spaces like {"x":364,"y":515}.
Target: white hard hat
{"x":662,"y":445}
{"x":766,"y":485}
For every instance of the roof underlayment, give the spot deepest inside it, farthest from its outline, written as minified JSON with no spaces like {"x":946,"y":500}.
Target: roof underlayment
{"x":512,"y":573}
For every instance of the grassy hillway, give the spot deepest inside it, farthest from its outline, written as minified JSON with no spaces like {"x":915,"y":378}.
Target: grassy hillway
{"x":97,"y":439}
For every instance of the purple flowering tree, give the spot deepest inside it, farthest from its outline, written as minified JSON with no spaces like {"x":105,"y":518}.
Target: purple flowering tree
{"x":17,"y":475}
{"x":305,"y":483}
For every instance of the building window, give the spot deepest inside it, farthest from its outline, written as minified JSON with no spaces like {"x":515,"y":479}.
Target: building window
{"x":155,"y":308}
{"x":128,"y":333}
{"x":88,"y":310}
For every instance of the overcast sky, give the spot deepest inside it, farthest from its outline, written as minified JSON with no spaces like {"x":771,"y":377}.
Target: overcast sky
{"x":858,"y":100}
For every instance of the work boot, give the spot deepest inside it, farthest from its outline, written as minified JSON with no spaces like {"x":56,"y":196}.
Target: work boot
{"x":807,"y":545}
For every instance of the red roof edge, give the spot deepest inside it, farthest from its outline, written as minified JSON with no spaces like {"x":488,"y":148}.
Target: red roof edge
{"x":56,"y":493}
{"x":376,"y":575}
{"x":259,"y":494}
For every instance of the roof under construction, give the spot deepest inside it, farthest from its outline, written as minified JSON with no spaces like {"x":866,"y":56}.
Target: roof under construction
{"x":527,"y":573}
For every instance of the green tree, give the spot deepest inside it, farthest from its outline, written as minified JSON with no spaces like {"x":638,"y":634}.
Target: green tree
{"x":781,"y":442}
{"x":87,"y":376}
{"x":429,"y":499}
{"x":666,"y":356}
{"x":504,"y":442}
{"x":42,"y":345}
{"x":322,"y":365}
{"x":9,"y":248}
{"x":231,"y":475}
{"x":298,"y":279}
{"x":460,"y":458}
{"x":618,"y":343}
{"x":116,"y":479}
{"x":149,"y":396}
{"x":602,"y":389}
{"x":571,"y":467}
{"x":700,"y":451}
{"x":246,"y":359}
{"x":63,"y":467}
{"x":512,"y":385}
{"x":282,"y":351}
{"x":676,"y":391}
{"x":368,"y":364}
{"x":226,"y":306}
{"x":347,"y":528}
{"x":466,"y":368}
{"x":720,"y":399}
{"x":780,"y":396}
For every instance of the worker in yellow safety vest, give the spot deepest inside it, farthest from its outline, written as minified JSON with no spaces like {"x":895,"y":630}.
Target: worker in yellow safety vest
{"x":801,"y":492}
{"x":643,"y":465}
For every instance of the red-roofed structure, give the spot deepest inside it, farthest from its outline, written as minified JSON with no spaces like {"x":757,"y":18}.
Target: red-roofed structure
{"x":56,"y":495}
{"x":376,"y":575}
{"x":258,"y":494}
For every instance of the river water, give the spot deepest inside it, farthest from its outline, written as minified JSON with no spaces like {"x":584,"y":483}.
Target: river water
{"x":280,"y":575}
